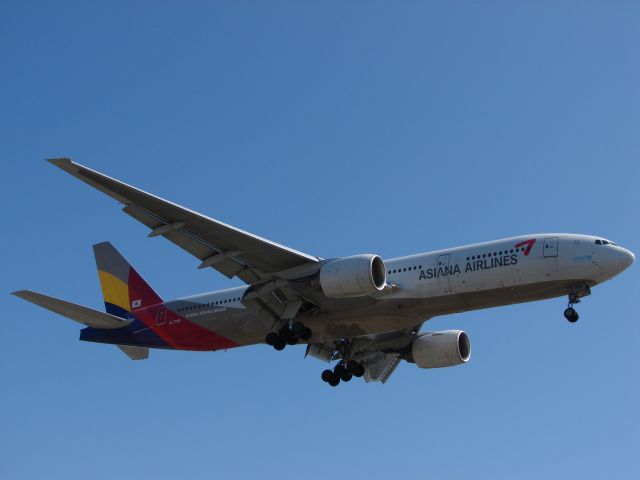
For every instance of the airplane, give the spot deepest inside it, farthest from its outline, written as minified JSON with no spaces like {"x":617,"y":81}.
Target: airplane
{"x":360,"y":311}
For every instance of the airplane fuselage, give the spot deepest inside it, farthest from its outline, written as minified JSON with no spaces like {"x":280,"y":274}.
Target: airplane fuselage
{"x":496,"y":273}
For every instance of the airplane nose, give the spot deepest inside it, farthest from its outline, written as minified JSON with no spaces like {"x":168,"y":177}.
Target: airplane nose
{"x":626,"y":258}
{"x":630,"y":258}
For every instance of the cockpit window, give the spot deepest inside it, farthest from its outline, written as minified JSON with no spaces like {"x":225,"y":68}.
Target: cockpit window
{"x":605,"y":242}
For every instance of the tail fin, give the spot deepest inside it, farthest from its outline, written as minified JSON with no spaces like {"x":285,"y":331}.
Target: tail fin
{"x":123,"y":289}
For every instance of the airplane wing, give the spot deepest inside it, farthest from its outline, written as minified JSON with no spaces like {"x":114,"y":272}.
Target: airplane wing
{"x":85,"y":315}
{"x":231,"y":251}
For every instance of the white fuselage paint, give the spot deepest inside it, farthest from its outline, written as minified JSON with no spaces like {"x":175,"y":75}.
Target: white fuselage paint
{"x":500,"y":272}
{"x":500,"y":264}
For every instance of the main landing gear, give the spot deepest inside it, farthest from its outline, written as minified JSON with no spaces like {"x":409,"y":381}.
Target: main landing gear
{"x":343,"y":372}
{"x":288,"y":335}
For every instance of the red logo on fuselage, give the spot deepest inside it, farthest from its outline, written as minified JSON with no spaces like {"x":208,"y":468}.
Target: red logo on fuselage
{"x":528,"y":243}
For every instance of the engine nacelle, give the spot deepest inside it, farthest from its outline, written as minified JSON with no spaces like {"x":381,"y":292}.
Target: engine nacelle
{"x":441,"y":349}
{"x":354,"y":276}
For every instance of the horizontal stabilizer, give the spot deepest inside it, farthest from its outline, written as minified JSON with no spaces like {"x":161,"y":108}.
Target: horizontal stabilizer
{"x":86,"y":316}
{"x":135,"y":353}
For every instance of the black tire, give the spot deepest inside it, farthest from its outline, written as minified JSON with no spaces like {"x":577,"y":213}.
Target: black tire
{"x":327,"y":376}
{"x":352,"y":365}
{"x":297,"y":328}
{"x":339,"y":370}
{"x":335,"y":380}
{"x":271,"y":338}
{"x":346,"y":376}
{"x":571,"y":315}
{"x":284,"y":333}
{"x":292,"y":340}
{"x":279,"y":345}
{"x":306,"y":334}
{"x":359,"y":371}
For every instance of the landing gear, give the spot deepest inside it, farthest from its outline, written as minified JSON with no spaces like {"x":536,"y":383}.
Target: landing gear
{"x":575,"y":294}
{"x":343,"y":372}
{"x":288,"y":335}
{"x":355,"y":368}
{"x":571,"y":315}
{"x":275,"y":340}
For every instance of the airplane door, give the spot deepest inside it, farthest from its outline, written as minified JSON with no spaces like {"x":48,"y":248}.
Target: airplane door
{"x":444,"y":261}
{"x":161,"y":316}
{"x":551,"y":247}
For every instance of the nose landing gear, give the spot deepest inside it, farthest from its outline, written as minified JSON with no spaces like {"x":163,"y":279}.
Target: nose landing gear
{"x":575,"y":294}
{"x":570,"y":313}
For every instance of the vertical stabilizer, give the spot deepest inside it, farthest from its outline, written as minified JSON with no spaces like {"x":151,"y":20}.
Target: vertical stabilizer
{"x":123,"y":289}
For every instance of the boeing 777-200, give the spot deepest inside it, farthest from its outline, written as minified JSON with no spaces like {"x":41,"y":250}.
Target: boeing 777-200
{"x":363,"y":312}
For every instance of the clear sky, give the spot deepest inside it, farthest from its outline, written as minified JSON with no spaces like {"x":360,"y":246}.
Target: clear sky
{"x":335,"y":128}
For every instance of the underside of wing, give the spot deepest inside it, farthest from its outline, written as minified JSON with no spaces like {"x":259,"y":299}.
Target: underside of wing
{"x":231,"y":251}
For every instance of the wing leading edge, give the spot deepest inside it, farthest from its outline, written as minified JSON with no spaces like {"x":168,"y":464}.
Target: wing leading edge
{"x":231,"y":251}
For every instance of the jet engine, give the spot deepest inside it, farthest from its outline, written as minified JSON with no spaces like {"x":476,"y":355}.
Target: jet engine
{"x":354,"y":276}
{"x":441,"y":349}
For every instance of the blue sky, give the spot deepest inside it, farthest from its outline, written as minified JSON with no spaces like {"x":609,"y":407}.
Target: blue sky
{"x":335,"y":128}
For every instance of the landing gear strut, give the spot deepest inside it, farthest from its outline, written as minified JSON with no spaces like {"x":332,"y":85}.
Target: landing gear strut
{"x":344,"y":372}
{"x":288,"y":335}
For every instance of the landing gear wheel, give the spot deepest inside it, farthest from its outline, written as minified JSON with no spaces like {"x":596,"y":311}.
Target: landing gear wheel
{"x":359,"y":371}
{"x":339,"y":370}
{"x":334,"y":381}
{"x":352,"y":365}
{"x":346,"y":376}
{"x":356,"y":369}
{"x":327,"y":375}
{"x":280,"y":344}
{"x":292,"y":340}
{"x":571,"y":315}
{"x":306,"y":334}
{"x":284,"y":333}
{"x":297,"y":328}
{"x":271,"y":338}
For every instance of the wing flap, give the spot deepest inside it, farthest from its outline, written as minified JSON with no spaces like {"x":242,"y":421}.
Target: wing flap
{"x":382,"y":368}
{"x":85,"y":315}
